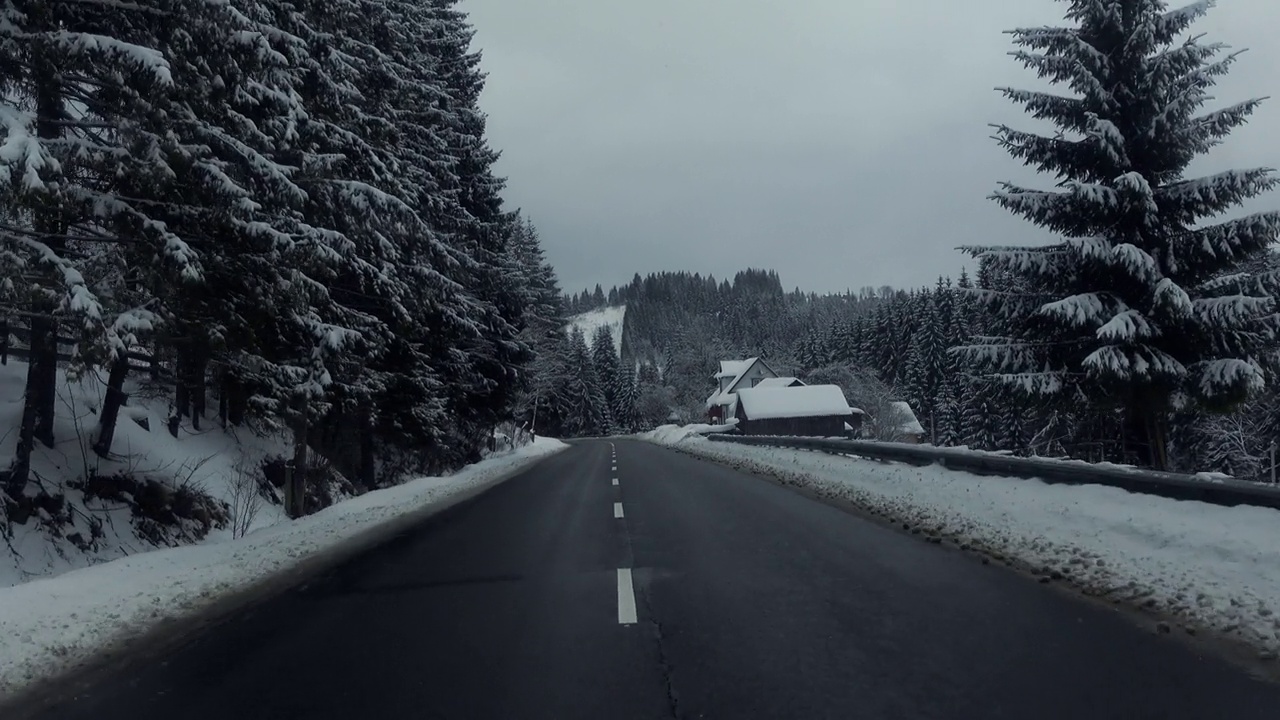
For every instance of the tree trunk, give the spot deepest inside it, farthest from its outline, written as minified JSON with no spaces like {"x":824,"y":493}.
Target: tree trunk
{"x":368,"y":464}
{"x":223,"y":388}
{"x":199,"y":398}
{"x":295,"y":488}
{"x":50,"y":111}
{"x":1149,"y":423}
{"x":45,"y":359}
{"x":181,"y":390}
{"x":1159,"y":443}
{"x":21,"y":470}
{"x":111,"y":405}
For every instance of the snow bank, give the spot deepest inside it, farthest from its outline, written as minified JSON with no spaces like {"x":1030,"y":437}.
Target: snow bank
{"x":1212,"y":567}
{"x":610,"y":317}
{"x":50,"y":625}
{"x":672,"y":434}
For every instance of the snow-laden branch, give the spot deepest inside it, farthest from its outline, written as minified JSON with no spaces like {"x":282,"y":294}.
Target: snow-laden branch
{"x":1215,"y":194}
{"x":1130,"y":363}
{"x":1231,"y":311}
{"x":1226,"y":377}
{"x":1229,"y":240}
{"x":1084,"y":310}
{"x":22,"y":156}
{"x":1127,"y":326}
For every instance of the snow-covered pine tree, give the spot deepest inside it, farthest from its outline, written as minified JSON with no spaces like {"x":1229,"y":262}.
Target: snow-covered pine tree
{"x":544,"y":321}
{"x":926,"y":368}
{"x":625,"y":392}
{"x":604,"y":359}
{"x":1141,"y":306}
{"x":475,"y":222}
{"x":80,"y":175}
{"x":587,"y":409}
{"x":221,"y":200}
{"x":980,"y":422}
{"x":949,"y":409}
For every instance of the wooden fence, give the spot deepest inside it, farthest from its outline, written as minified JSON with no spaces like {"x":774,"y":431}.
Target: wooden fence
{"x":141,"y":360}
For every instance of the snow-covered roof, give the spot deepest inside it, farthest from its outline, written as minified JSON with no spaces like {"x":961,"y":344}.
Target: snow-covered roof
{"x":761,"y":403}
{"x":779,"y":382}
{"x":734,"y":368}
{"x":728,"y":400}
{"x":907,"y":421}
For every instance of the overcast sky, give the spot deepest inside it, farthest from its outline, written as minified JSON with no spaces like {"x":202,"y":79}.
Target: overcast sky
{"x":841,"y":142}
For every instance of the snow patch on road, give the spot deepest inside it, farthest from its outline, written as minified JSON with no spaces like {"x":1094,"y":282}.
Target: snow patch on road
{"x":50,"y":625}
{"x":1216,"y":568}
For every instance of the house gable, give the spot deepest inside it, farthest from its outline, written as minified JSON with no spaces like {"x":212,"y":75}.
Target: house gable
{"x":751,"y":373}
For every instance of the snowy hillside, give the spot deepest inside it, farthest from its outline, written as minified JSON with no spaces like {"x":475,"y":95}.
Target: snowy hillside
{"x":157,"y":490}
{"x":610,"y":317}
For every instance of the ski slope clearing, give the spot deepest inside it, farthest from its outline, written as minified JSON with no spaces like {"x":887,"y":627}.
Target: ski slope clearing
{"x":610,"y":317}
{"x":1209,"y":567}
{"x":50,"y":625}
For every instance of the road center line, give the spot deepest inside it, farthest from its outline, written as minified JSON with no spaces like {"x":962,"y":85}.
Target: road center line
{"x":617,"y":509}
{"x":626,"y":598}
{"x":615,"y":482}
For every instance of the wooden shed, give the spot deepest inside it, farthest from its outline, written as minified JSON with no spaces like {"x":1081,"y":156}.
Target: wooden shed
{"x":807,"y":411}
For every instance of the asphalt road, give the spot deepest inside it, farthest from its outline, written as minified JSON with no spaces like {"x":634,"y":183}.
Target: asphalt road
{"x":743,"y":600}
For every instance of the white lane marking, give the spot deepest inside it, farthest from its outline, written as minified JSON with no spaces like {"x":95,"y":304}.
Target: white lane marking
{"x":617,"y":509}
{"x":615,"y":482}
{"x":626,"y":598}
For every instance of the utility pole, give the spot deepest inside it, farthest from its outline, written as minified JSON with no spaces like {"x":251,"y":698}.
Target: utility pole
{"x":533,"y":425}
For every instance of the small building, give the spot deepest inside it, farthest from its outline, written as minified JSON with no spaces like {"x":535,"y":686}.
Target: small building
{"x":909,"y":428}
{"x":733,"y":376}
{"x":804,"y":410}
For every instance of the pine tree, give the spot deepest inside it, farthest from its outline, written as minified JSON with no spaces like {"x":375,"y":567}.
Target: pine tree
{"x":625,"y":399}
{"x":1141,"y":306}
{"x":82,"y":172}
{"x":587,"y":410}
{"x":981,"y":419}
{"x":604,"y":360}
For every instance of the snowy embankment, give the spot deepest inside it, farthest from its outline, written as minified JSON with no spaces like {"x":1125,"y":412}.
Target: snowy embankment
{"x":1211,"y":568}
{"x":48,"y":626}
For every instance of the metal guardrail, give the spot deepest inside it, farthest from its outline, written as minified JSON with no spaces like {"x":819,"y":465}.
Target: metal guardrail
{"x":1171,"y":485}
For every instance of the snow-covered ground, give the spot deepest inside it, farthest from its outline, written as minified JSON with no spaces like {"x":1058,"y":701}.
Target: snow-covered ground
{"x":1213,"y":568}
{"x":210,"y":461}
{"x":610,"y":317}
{"x":49,"y":625}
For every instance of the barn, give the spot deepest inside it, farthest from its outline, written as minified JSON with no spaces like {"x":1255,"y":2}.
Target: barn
{"x":807,"y":410}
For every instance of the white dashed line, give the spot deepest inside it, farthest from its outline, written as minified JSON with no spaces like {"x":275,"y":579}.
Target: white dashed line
{"x":615,"y":482}
{"x":617,"y":510}
{"x":626,"y":598}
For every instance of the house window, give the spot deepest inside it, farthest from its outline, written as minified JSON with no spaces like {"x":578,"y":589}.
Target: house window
{"x":755,"y":381}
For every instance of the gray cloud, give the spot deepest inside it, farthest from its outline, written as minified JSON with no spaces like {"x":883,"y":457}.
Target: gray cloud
{"x":841,"y":143}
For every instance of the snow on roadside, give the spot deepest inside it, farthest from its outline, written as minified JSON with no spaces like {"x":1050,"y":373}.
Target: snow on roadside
{"x":1214,"y":568}
{"x":671,"y":434}
{"x":49,"y":625}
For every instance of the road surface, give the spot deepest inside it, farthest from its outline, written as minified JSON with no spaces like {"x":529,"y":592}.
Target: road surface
{"x":669,"y":588}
